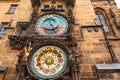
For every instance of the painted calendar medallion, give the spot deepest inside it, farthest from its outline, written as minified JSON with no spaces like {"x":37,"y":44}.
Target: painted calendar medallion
{"x":48,"y":62}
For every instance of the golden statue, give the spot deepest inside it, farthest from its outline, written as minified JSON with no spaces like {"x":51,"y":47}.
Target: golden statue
{"x":27,"y":50}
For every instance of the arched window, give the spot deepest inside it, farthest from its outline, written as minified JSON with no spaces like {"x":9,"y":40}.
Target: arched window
{"x":100,"y":19}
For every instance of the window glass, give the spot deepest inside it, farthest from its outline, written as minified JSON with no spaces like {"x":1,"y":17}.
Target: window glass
{"x":101,"y":21}
{"x":23,"y":32}
{"x":60,"y":7}
{"x":46,"y":7}
{"x":13,"y":8}
{"x":98,"y":20}
{"x":5,"y":25}
{"x":2,"y":30}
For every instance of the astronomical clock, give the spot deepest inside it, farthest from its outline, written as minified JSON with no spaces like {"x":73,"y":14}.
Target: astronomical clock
{"x":49,"y":58}
{"x":48,"y":49}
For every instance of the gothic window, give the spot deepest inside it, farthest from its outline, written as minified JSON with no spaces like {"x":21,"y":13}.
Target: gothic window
{"x":12,"y":9}
{"x":2,"y":29}
{"x":102,"y":21}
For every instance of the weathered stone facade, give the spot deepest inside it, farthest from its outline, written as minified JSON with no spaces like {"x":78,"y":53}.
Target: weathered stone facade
{"x":93,"y":45}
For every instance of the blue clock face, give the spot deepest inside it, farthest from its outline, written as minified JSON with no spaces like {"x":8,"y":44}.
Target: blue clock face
{"x":48,"y":62}
{"x":49,"y":22}
{"x":51,"y":25}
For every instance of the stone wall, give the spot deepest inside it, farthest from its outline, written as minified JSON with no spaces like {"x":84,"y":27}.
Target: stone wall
{"x":8,"y":57}
{"x":84,"y":13}
{"x":92,"y":46}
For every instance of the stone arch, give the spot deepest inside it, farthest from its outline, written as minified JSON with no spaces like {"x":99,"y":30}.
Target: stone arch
{"x":100,"y":9}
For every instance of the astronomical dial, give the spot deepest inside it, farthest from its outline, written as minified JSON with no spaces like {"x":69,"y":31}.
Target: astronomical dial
{"x":51,"y":25}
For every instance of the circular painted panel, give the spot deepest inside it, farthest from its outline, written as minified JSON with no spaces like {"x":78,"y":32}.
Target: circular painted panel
{"x":48,"y":62}
{"x":51,"y":25}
